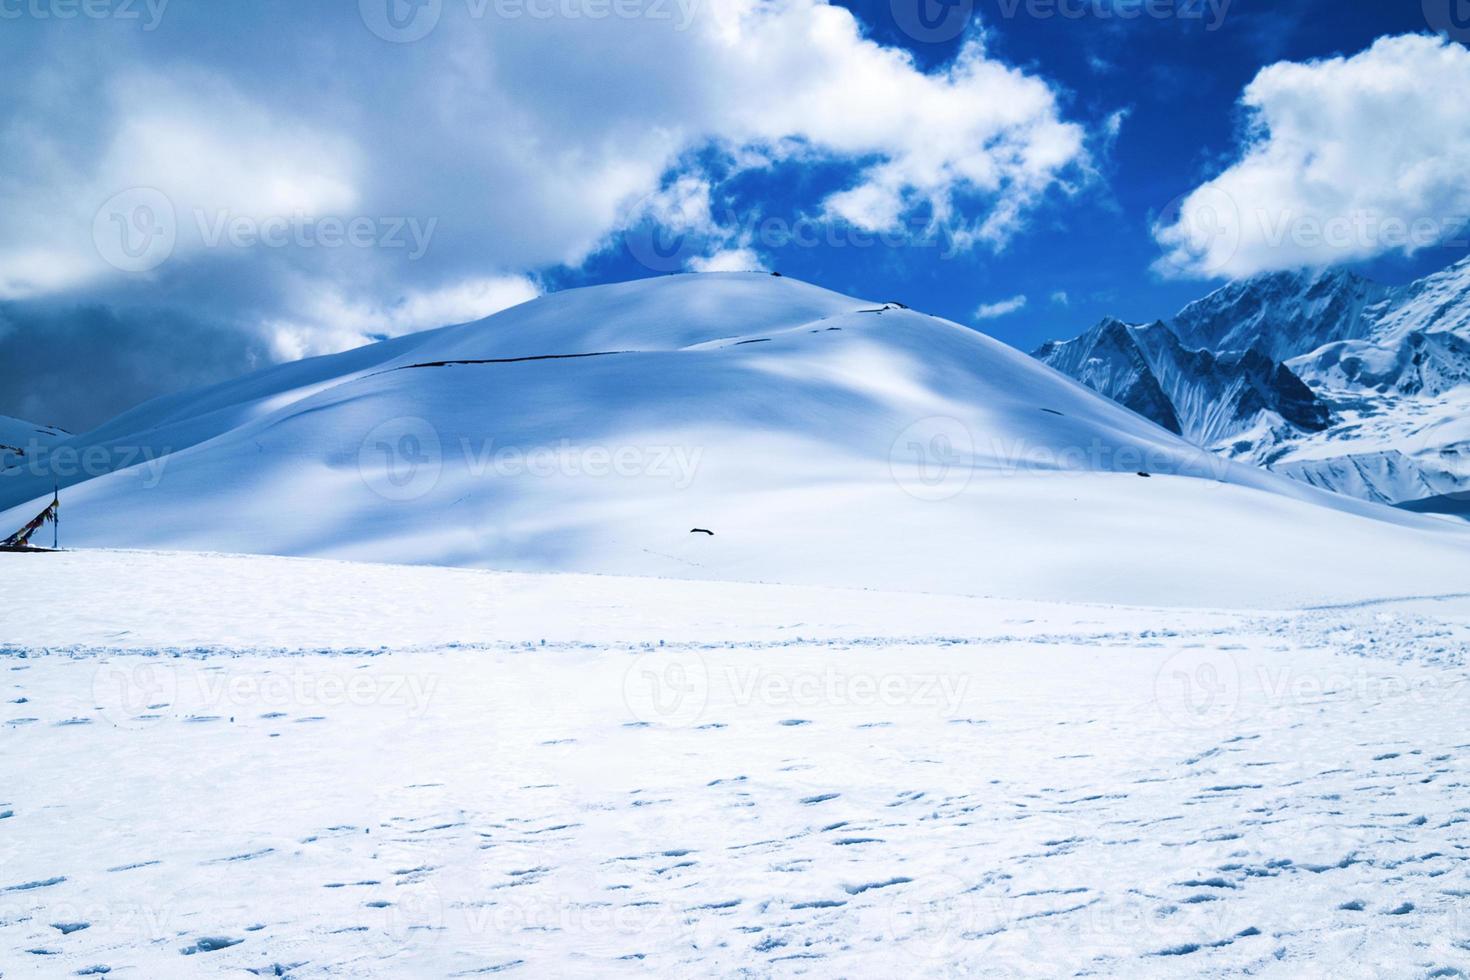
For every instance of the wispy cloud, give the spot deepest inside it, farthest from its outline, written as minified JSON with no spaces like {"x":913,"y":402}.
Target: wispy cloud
{"x":1005,"y":307}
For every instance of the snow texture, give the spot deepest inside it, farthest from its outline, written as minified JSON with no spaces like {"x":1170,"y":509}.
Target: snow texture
{"x":225,"y":766}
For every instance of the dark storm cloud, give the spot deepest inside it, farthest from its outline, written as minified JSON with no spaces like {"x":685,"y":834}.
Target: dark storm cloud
{"x":75,"y":366}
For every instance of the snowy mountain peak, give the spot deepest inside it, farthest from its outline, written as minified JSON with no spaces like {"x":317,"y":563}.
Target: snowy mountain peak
{"x":1282,"y":314}
{"x":1348,"y":380}
{"x":1112,"y":359}
{"x":1210,"y":399}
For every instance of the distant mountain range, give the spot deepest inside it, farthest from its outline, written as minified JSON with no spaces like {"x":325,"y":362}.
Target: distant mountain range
{"x":1323,"y":376}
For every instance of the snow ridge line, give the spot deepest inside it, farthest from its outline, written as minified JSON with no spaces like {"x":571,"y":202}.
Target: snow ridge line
{"x":86,"y":651}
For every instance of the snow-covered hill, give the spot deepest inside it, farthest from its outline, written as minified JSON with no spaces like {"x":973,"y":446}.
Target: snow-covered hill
{"x":819,"y":439}
{"x":1388,"y":367}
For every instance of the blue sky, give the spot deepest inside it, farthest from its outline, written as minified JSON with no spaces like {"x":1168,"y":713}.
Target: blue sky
{"x":1179,"y":80}
{"x":192,"y":190}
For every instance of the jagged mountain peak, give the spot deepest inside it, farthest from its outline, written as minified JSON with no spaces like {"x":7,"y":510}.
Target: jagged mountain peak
{"x":1282,"y":314}
{"x":1329,"y":370}
{"x":1206,"y":397}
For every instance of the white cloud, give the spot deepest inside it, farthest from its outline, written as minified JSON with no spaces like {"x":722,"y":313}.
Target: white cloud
{"x":326,"y":321}
{"x":203,"y":151}
{"x":1345,"y":159}
{"x":1060,"y":298}
{"x":1005,"y":307}
{"x":525,"y":142}
{"x":525,"y":173}
{"x":729,"y":260}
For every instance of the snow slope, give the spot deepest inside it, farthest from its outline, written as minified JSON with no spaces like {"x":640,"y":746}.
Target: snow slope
{"x":20,"y":441}
{"x":822,"y":440}
{"x":254,"y":766}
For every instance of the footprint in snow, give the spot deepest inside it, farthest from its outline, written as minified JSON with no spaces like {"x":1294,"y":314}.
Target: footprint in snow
{"x":210,"y":944}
